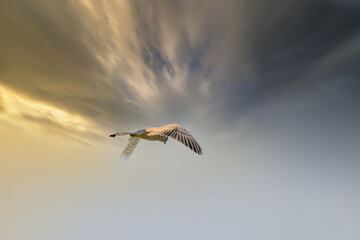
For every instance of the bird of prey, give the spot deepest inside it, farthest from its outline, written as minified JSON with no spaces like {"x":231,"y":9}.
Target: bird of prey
{"x":159,"y":134}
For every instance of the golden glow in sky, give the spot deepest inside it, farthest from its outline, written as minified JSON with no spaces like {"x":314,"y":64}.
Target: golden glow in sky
{"x":270,"y":89}
{"x":23,"y":111}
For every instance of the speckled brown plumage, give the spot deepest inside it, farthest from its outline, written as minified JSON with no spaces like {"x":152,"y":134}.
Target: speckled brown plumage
{"x":178,"y":133}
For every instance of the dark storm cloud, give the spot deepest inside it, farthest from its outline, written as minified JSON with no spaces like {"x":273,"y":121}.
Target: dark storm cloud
{"x":122,"y":61}
{"x":255,"y":50}
{"x":288,"y":45}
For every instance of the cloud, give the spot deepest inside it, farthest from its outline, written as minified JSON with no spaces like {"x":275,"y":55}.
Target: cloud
{"x":28,"y":113}
{"x":123,"y":63}
{"x":2,"y":104}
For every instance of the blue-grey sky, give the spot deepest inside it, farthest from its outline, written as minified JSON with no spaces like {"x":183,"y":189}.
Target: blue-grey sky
{"x":270,"y":89}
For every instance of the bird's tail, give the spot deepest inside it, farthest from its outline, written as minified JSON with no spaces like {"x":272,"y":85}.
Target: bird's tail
{"x":119,"y":134}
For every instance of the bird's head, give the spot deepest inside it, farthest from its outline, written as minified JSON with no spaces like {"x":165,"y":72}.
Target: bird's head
{"x":137,"y":132}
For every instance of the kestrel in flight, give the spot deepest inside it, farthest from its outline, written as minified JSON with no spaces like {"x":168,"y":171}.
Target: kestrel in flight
{"x":159,"y":134}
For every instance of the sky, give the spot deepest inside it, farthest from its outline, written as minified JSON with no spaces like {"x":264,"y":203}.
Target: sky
{"x":270,"y":90}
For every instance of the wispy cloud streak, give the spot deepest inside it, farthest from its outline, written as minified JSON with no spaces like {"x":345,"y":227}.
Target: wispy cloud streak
{"x":117,"y":62}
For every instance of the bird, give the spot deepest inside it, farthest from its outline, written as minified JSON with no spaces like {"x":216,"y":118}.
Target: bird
{"x":161,"y":134}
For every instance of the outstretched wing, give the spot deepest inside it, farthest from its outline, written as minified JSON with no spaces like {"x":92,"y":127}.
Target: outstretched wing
{"x":178,"y":133}
{"x":130,"y":146}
